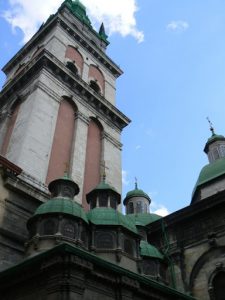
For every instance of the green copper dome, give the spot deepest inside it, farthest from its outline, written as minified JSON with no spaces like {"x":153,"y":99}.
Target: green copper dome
{"x":62,"y":206}
{"x":213,"y":138}
{"x":79,"y":10}
{"x":150,"y":251}
{"x":143,"y":219}
{"x":103,"y":187}
{"x":136,"y":193}
{"x":110,"y":216}
{"x":210,"y":172}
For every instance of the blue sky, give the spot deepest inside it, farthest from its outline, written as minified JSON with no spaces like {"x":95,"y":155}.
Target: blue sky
{"x":172,"y":81}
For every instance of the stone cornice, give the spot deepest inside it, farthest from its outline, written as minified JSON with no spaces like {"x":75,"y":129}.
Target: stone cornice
{"x":75,"y":33}
{"x":46,"y":60}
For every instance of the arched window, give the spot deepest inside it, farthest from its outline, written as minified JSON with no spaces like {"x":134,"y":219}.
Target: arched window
{"x":129,"y":246}
{"x":96,"y":79}
{"x":113,"y":202}
{"x":139,"y":207}
{"x":104,"y":240}
{"x":74,"y":56}
{"x":219,"y":286}
{"x":95,"y":86}
{"x":146,"y":208}
{"x":10,"y":126}
{"x":130,"y":208}
{"x":49,"y":227}
{"x":215,"y":153}
{"x":103,"y":199}
{"x":222,"y":150}
{"x":72,"y":67}
{"x":69,"y":230}
{"x":93,"y":158}
{"x":150,"y":267}
{"x":63,"y":140}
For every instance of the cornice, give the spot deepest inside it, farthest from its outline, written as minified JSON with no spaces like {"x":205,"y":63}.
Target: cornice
{"x":45,"y":60}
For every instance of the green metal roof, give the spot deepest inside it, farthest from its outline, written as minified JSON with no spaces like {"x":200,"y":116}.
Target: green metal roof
{"x":62,"y":205}
{"x":210,"y":172}
{"x":150,"y":251}
{"x":110,"y":216}
{"x":64,"y":248}
{"x":136,"y":193}
{"x":213,"y":138}
{"x":103,"y":186}
{"x":143,"y":219}
{"x":79,"y":11}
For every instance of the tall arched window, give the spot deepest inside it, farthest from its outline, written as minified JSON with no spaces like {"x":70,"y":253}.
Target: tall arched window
{"x":10,"y":127}
{"x":63,"y":140}
{"x":75,"y":58}
{"x":49,"y":227}
{"x":93,"y":158}
{"x":219,"y":286}
{"x":96,"y":79}
{"x":130,"y":208}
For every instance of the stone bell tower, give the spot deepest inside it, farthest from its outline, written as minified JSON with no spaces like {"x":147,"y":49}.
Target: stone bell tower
{"x":58,"y":104}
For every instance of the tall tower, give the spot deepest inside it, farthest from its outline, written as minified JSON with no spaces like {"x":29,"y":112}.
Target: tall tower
{"x":58,"y":104}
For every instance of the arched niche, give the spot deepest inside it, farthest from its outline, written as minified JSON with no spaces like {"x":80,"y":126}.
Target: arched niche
{"x":93,"y":158}
{"x":63,"y":140}
{"x":96,"y":79}
{"x":11,"y":121}
{"x":74,"y":57}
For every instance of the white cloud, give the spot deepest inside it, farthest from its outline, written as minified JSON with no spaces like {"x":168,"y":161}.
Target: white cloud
{"x":125,"y":181}
{"x":159,"y":209}
{"x":177,"y":26}
{"x":138,"y":147}
{"x":118,"y":16}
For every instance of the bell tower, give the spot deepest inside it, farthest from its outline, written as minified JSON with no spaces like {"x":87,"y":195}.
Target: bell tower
{"x":58,"y":104}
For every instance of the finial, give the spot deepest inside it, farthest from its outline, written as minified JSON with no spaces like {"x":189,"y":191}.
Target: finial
{"x":211,"y":126}
{"x":103,"y":170}
{"x":136,"y":184}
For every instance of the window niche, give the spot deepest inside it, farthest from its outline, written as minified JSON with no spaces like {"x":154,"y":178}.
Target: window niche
{"x":49,"y":227}
{"x":130,"y":208}
{"x":129,"y":246}
{"x":95,"y":86}
{"x":104,"y":240}
{"x":103,"y":199}
{"x":217,"y":286}
{"x":69,"y":230}
{"x":71,"y":66}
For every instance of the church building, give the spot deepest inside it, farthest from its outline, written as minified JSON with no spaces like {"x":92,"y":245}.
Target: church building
{"x":62,"y":233}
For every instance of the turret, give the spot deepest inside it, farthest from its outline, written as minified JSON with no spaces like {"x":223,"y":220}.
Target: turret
{"x":60,"y":219}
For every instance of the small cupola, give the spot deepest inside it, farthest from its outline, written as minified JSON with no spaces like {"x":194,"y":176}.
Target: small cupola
{"x":103,"y":195}
{"x":215,"y":146}
{"x":137,"y":201}
{"x":60,"y":219}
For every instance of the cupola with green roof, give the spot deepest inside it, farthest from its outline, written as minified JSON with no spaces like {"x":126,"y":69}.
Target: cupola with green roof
{"x":61,"y":218}
{"x":137,"y":201}
{"x":103,"y":195}
{"x":215,"y":146}
{"x":212,"y":174}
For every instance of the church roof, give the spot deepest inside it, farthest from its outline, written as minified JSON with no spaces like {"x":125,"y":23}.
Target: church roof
{"x":213,"y":138}
{"x":143,"y":219}
{"x":136,"y":193}
{"x":79,"y":11}
{"x":210,"y":172}
{"x":110,"y":216}
{"x":62,"y":206}
{"x":36,"y":262}
{"x":149,"y":250}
